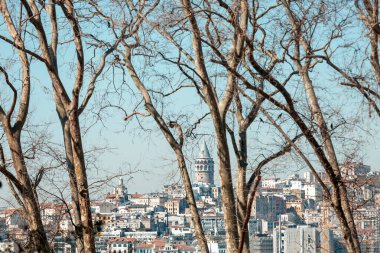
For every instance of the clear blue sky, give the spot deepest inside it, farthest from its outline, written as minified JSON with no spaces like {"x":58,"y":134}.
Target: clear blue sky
{"x":148,"y":152}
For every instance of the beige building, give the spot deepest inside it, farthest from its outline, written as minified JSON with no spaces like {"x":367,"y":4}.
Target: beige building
{"x":176,"y":206}
{"x":148,"y":200}
{"x":297,"y":204}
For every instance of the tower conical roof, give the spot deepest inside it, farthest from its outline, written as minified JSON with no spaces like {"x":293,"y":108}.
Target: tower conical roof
{"x":204,"y":154}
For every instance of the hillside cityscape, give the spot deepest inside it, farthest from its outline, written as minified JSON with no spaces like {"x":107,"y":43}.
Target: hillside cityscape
{"x":288,"y":215}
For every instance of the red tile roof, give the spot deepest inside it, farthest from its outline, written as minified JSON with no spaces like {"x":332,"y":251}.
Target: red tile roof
{"x":123,"y":239}
{"x":142,"y":245}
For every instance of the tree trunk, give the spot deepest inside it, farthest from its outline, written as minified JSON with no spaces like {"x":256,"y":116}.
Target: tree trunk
{"x":201,"y":239}
{"x":218,"y":113}
{"x":76,"y":215}
{"x":62,"y":115}
{"x":340,"y":198}
{"x":36,"y":229}
{"x":202,"y":242}
{"x":242,"y":191}
{"x":228,"y":197}
{"x":341,"y":187}
{"x":81,"y":179}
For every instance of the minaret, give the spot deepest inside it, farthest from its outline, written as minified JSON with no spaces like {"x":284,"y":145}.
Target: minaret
{"x":204,"y":167}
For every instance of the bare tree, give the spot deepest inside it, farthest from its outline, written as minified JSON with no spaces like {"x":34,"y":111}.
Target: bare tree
{"x":368,"y":12}
{"x":288,"y":48}
{"x":135,"y":14}
{"x":240,"y":148}
{"x":20,"y":180}
{"x":217,"y":39}
{"x":195,"y":67}
{"x":68,"y":108}
{"x":243,"y":57}
{"x":298,"y":35}
{"x":361,"y":68}
{"x":175,"y":143}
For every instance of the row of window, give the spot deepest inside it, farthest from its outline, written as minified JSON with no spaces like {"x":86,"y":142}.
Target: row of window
{"x":120,"y":245}
{"x":204,"y":162}
{"x":202,"y":167}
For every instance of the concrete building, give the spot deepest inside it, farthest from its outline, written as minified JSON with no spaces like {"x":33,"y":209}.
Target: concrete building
{"x":261,"y":243}
{"x":278,"y":240}
{"x":269,"y":183}
{"x":217,"y":192}
{"x":62,"y":246}
{"x":312,"y":191}
{"x":213,"y":224}
{"x":103,"y":207}
{"x":268,"y":207}
{"x":174,"y":190}
{"x":302,"y":239}
{"x":309,"y":177}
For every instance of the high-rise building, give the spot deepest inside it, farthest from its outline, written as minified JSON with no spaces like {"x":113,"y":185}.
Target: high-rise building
{"x":268,"y":207}
{"x":261,"y":243}
{"x":305,"y":239}
{"x":309,"y":177}
{"x":204,"y":167}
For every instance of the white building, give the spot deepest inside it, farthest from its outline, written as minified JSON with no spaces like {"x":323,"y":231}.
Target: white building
{"x":9,"y":247}
{"x":305,"y":239}
{"x":296,"y":184}
{"x":103,"y":207}
{"x":302,"y":239}
{"x":312,"y":191}
{"x":269,"y":183}
{"x":142,"y":235}
{"x":217,"y":247}
{"x":309,"y":177}
{"x":148,"y":199}
{"x":121,"y":245}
